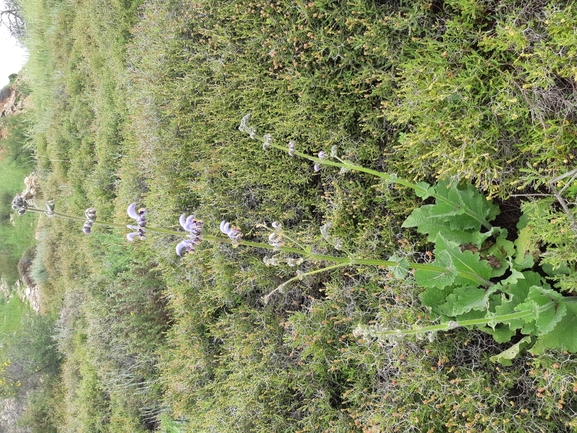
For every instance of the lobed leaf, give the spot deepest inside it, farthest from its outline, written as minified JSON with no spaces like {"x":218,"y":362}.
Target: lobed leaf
{"x":457,"y":214}
{"x":439,"y":279}
{"x":470,"y":269}
{"x":562,"y":336}
{"x":464,"y":299}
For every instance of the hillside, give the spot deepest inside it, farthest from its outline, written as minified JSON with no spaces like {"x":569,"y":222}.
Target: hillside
{"x":325,"y":216}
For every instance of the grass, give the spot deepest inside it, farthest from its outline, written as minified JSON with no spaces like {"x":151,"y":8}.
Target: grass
{"x":10,"y":312}
{"x":141,"y":102}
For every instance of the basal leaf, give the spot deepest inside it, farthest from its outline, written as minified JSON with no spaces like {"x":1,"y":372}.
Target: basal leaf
{"x":526,"y":249}
{"x":431,"y":225}
{"x":473,"y":208}
{"x":437,"y":278}
{"x":463,"y":300}
{"x":514,"y":298}
{"x":562,"y":336}
{"x":434,"y":298}
{"x":457,"y":209}
{"x":475,"y":201}
{"x":471,"y":270}
{"x":441,"y":278}
{"x":501,"y":333}
{"x":420,"y":217}
{"x":547,"y":318}
{"x":514,"y":278}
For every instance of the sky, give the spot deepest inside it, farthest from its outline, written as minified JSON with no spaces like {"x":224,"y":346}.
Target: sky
{"x":12,"y":56}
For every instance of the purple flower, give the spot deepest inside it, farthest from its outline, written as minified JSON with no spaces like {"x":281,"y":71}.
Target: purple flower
{"x":90,"y":215}
{"x":233,"y":233}
{"x":140,"y":217}
{"x":138,"y":232}
{"x":193,"y":238}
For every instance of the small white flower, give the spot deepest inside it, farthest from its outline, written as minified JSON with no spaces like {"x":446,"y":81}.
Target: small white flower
{"x":245,"y":127}
{"x":275,"y":240}
{"x":267,"y":141}
{"x":334,"y":153}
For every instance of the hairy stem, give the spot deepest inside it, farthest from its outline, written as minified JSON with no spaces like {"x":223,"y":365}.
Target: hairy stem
{"x":307,"y":254}
{"x":378,"y":332}
{"x":389,"y":178}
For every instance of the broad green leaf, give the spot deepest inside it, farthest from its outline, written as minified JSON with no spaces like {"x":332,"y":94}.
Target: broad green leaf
{"x":471,"y":270}
{"x":419,"y":217}
{"x":547,"y":318}
{"x":475,"y":201}
{"x":434,"y":298}
{"x":550,"y":270}
{"x":468,"y":201}
{"x":463,"y":300}
{"x":460,"y":210}
{"x":506,"y":357}
{"x":562,"y":336}
{"x":525,"y":248}
{"x":515,"y":292}
{"x":431,"y":225}
{"x":514,"y":277}
{"x":501,"y":333}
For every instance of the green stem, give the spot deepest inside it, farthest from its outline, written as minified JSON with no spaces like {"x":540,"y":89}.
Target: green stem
{"x":392,"y":179}
{"x":376,"y":331}
{"x":340,"y":261}
{"x":300,"y":276}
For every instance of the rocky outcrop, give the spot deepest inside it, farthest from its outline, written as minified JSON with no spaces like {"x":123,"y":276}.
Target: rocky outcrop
{"x":11,"y":101}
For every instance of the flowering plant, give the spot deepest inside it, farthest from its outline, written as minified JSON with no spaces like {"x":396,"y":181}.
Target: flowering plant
{"x":476,"y":276}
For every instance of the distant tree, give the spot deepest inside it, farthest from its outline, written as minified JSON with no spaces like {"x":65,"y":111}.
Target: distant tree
{"x":11,"y":17}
